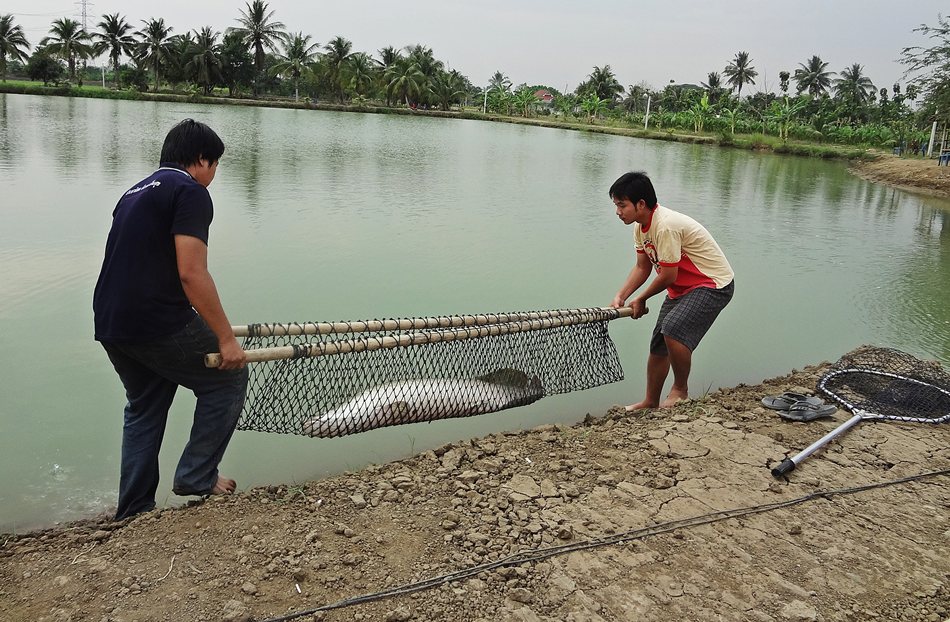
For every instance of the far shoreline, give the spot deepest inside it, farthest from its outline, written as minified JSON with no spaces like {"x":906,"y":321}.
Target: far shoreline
{"x":753,"y":142}
{"x":910,"y":174}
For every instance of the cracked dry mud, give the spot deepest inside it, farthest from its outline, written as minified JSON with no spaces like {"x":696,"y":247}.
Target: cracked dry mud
{"x":881,"y":554}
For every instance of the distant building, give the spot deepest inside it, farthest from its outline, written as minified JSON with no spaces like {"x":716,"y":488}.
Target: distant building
{"x":545,"y":97}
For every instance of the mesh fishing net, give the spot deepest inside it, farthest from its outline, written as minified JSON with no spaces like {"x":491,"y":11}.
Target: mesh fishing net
{"x":889,"y":384}
{"x":375,"y":373}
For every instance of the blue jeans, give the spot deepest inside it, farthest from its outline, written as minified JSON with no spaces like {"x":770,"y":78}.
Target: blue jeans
{"x":151,"y":372}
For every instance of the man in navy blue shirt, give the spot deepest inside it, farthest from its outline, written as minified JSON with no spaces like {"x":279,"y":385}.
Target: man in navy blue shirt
{"x":157,"y":313}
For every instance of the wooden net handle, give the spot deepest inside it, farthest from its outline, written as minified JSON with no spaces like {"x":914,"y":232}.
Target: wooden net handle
{"x":460,"y":333}
{"x":361,"y":326}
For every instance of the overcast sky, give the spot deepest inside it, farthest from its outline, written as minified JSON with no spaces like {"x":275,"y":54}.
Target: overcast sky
{"x":558,"y":42}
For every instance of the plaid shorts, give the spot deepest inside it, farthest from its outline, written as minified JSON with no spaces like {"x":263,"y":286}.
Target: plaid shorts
{"x":687,"y":318}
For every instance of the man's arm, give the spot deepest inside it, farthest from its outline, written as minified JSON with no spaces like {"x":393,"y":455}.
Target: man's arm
{"x":199,"y":287}
{"x":637,"y":277}
{"x":664,"y":278}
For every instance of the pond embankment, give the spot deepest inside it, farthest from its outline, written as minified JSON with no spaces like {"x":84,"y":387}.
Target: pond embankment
{"x":480,"y":530}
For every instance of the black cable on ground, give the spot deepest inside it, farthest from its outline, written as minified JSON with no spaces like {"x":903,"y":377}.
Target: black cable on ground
{"x":627,"y":536}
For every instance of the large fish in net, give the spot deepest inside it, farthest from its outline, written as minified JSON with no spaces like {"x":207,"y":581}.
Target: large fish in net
{"x":335,"y":378}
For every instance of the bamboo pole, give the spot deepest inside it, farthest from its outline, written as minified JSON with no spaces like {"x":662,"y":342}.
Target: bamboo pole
{"x":362,"y":326}
{"x":453,"y":333}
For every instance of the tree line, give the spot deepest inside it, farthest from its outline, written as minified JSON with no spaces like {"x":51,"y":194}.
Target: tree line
{"x":259,"y":57}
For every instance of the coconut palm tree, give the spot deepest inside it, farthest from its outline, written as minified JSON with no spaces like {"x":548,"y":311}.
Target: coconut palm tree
{"x":812,"y":77}
{"x":361,"y":73}
{"x":338,"y":50}
{"x":179,"y":47}
{"x":204,"y":65}
{"x":259,"y":31}
{"x":740,"y":72}
{"x":713,"y":86}
{"x":425,"y":58}
{"x":154,"y":49}
{"x":13,"y":43}
{"x":387,"y":58}
{"x":388,"y":55}
{"x":604,"y":84}
{"x":428,"y":64}
{"x":448,"y":88}
{"x":68,"y":41}
{"x":636,"y":99}
{"x":499,"y":82}
{"x":113,"y":37}
{"x":853,"y":87}
{"x":404,"y":79}
{"x":298,"y":54}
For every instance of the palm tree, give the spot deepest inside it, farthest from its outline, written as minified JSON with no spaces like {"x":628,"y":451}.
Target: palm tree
{"x":425,"y":58}
{"x":604,"y":84}
{"x":204,"y":65}
{"x":405,"y":78}
{"x":387,"y":58}
{"x":298,"y":54}
{"x":113,"y":37}
{"x":68,"y":41}
{"x":154,"y":50}
{"x":12,"y":42}
{"x":740,"y":72}
{"x":853,"y":87}
{"x":713,"y":86}
{"x":179,"y":47}
{"x":430,"y":67}
{"x":636,"y":99}
{"x":448,"y":88}
{"x":259,"y":31}
{"x":361,"y":71}
{"x":338,"y":50}
{"x":388,"y":55}
{"x":499,"y":82}
{"x":812,"y":77}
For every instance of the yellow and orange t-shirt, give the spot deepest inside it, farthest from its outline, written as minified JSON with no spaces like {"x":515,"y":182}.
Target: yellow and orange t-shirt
{"x":674,"y":239}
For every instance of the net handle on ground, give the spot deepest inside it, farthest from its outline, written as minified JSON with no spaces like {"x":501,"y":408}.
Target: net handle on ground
{"x":481,"y":327}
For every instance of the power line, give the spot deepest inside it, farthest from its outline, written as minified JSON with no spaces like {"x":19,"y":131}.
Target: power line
{"x":533,"y":555}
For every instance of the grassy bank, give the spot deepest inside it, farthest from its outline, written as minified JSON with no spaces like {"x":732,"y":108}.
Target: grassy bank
{"x":755,"y":142}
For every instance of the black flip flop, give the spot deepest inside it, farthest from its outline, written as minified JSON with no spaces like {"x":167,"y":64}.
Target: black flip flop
{"x":788,"y":399}
{"x":807,"y":411}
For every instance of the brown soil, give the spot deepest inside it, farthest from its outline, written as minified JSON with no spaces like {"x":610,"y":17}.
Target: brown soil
{"x":914,"y":174}
{"x":878,"y":554}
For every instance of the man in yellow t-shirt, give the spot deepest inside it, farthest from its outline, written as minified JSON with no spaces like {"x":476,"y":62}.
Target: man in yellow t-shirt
{"x":692,"y":269}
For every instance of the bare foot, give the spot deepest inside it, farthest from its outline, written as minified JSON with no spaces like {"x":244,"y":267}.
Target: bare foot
{"x":676,"y":396}
{"x":640,"y":406}
{"x":224,"y":486}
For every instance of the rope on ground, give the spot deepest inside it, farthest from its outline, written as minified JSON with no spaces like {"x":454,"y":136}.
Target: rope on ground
{"x":627,"y":536}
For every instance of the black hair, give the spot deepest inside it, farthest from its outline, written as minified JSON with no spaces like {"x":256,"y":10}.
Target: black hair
{"x":189,"y":142}
{"x":634,"y":186}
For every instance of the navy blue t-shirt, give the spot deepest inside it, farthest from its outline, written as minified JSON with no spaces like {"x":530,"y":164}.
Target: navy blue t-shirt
{"x":139,"y":296}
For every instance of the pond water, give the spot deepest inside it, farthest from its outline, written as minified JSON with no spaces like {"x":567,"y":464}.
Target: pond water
{"x":328,"y":216}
